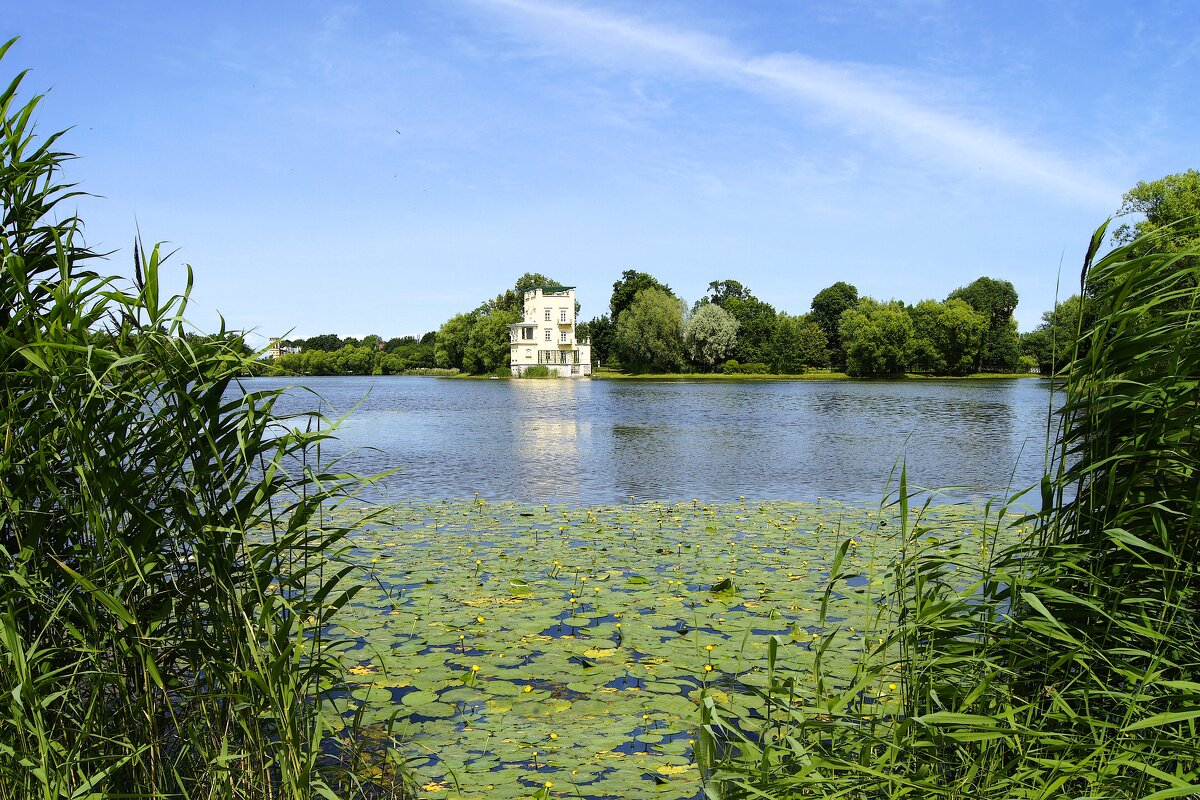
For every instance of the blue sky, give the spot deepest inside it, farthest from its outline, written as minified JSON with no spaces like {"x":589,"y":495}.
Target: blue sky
{"x":377,"y":167}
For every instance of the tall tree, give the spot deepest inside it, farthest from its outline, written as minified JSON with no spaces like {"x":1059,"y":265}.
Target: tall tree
{"x":1163,"y":203}
{"x":532,"y":280}
{"x":626,"y":289}
{"x":709,"y":336}
{"x":721,"y":291}
{"x":798,"y":343}
{"x":600,"y":332}
{"x":876,"y":337}
{"x":947,"y":337}
{"x":514,"y":299}
{"x":756,"y":328}
{"x":1170,"y":208}
{"x":1052,"y":343}
{"x":326,"y":341}
{"x":650,"y":333}
{"x":996,"y":301}
{"x":827,"y":309}
{"x":452,"y":341}
{"x":487,"y":347}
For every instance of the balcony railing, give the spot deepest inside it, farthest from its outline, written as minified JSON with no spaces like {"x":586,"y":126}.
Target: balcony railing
{"x":549,"y":357}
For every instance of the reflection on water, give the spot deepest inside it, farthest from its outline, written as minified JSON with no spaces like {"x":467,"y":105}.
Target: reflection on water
{"x":582,"y":441}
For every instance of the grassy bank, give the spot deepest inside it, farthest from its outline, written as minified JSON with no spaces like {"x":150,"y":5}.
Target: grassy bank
{"x":619,"y":375}
{"x":510,"y":646}
{"x":814,"y":375}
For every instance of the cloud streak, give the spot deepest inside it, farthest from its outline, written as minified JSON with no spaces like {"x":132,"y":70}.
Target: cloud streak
{"x":857,"y":101}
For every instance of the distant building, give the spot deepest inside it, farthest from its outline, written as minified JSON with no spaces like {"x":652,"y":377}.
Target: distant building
{"x":277,"y":349}
{"x":547,"y":335}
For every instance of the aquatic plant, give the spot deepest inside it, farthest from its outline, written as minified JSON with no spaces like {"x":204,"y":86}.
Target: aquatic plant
{"x":606,"y":690}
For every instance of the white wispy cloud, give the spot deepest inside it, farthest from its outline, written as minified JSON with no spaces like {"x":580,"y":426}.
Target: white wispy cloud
{"x":882,"y":104}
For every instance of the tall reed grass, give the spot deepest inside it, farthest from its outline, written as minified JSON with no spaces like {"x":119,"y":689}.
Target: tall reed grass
{"x":166,"y":561}
{"x":1066,"y":666}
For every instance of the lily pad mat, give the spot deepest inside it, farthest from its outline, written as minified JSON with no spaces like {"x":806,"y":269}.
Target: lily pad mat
{"x":510,"y":645}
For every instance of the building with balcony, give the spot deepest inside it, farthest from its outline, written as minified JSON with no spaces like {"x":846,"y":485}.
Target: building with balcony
{"x":546,"y":337}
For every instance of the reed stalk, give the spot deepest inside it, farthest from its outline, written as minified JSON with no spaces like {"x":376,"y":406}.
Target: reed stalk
{"x":1067,"y":665}
{"x":168,"y":558}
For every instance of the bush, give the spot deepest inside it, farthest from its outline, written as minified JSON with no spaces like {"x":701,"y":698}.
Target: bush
{"x":538,"y":371}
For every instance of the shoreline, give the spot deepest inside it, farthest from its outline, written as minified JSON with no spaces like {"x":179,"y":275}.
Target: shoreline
{"x":816,"y":375}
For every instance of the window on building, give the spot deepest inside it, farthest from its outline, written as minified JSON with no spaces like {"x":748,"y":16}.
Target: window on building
{"x":547,"y":334}
{"x":527,"y":333}
{"x":562,"y":337}
{"x":562,"y":315}
{"x":547,"y":315}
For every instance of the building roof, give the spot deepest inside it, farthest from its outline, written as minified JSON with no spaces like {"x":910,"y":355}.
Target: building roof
{"x":551,"y":287}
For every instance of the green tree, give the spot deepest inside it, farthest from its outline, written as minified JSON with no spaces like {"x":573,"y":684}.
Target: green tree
{"x":650,"y":333}
{"x":514,"y":299}
{"x":326,"y":341}
{"x":452,"y":341}
{"x":1052,"y":343}
{"x":996,"y":301}
{"x":1163,"y":204}
{"x":947,"y":337}
{"x":626,"y":289}
{"x":756,"y":319}
{"x":709,"y":336}
{"x":355,"y":360}
{"x":876,"y":337}
{"x":399,"y":343}
{"x":1170,"y":210}
{"x":488,"y":345}
{"x":531,"y":280}
{"x":799,"y":342}
{"x":756,"y":326}
{"x":601,"y":333}
{"x":827,"y":309}
{"x":409,"y":352}
{"x":720,"y":292}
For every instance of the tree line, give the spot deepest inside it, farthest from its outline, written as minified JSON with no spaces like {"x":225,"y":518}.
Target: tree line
{"x":650,"y":329}
{"x":329,"y":354}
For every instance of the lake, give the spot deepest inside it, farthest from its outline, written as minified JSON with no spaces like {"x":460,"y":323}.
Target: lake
{"x":598,"y":441}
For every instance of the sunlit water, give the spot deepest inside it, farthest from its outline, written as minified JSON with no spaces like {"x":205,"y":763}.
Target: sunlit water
{"x":596,"y":441}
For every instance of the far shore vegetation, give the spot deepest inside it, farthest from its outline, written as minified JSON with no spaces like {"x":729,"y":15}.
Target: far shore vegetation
{"x":650,"y":331}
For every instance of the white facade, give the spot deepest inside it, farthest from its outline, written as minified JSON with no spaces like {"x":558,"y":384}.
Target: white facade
{"x":547,"y":335}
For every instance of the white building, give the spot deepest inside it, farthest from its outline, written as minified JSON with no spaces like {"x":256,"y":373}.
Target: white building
{"x":277,"y":349}
{"x":547,"y":336}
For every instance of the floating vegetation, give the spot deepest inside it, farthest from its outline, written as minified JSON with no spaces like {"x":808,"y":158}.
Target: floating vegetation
{"x":510,"y":646}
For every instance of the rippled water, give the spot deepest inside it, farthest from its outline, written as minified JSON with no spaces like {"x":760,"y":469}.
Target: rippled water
{"x":595,"y":441}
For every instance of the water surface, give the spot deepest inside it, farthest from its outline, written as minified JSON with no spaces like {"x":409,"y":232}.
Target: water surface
{"x":596,"y":441}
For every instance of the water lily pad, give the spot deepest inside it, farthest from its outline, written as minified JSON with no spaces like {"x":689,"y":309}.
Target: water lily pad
{"x":639,"y":646}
